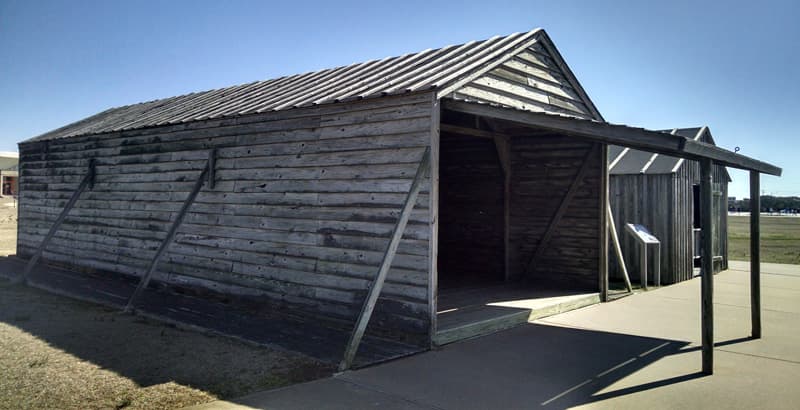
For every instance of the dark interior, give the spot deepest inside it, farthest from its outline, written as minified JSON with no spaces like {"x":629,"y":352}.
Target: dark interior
{"x":697,"y":224}
{"x":470,"y":212}
{"x":696,"y":220}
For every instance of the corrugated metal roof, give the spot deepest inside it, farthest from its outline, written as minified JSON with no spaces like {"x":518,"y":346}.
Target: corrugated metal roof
{"x":631,"y":161}
{"x":425,"y":70}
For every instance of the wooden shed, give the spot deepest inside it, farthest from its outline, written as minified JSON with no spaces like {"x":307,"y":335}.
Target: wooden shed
{"x":663,"y":194}
{"x":404,"y":196}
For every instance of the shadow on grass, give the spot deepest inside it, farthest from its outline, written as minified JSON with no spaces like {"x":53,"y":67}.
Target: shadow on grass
{"x":247,"y":318}
{"x":147,"y":351}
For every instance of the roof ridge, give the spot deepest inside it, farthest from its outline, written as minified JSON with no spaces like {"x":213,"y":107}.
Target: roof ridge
{"x":309,"y":72}
{"x":432,"y":68}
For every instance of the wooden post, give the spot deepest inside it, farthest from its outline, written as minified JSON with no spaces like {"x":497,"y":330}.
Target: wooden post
{"x":707,"y":259}
{"x":433,"y":222}
{"x":657,"y":271}
{"x":388,"y":256}
{"x":87,"y":181}
{"x":201,"y":180}
{"x":612,"y":227}
{"x":604,"y":215}
{"x":755,"y":254}
{"x":643,"y":265}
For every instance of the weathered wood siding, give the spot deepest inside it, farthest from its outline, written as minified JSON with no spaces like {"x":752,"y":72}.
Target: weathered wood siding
{"x":543,"y":168}
{"x":531,"y":80}
{"x":650,"y":200}
{"x":664,"y":204}
{"x":690,"y":171}
{"x":471,"y":248}
{"x":304,"y":204}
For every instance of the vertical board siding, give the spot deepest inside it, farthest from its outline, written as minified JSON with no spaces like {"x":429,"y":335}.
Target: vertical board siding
{"x":471,"y":248}
{"x":664,"y":204}
{"x":302,"y":210}
{"x":543,"y":168}
{"x":646,"y":200}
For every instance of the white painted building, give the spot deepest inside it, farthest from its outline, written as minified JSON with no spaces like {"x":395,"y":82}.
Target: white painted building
{"x":9,"y":173}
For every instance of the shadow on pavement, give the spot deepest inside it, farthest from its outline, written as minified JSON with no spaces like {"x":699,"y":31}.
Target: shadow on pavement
{"x":531,"y":366}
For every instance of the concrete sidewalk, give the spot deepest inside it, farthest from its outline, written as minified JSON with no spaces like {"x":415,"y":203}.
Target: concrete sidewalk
{"x":642,"y":351}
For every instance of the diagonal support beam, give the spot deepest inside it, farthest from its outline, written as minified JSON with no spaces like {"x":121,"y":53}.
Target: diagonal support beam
{"x":388,"y":256}
{"x":87,"y":181}
{"x":562,"y":209}
{"x":612,"y":227}
{"x":201,"y":180}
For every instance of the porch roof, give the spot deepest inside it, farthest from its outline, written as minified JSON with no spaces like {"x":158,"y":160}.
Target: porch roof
{"x":623,"y":135}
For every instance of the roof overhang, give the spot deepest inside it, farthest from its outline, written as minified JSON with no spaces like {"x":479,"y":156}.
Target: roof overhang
{"x":623,"y":135}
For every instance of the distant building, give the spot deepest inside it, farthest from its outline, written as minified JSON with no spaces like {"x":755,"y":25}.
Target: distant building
{"x":663,"y":194}
{"x":9,"y":173}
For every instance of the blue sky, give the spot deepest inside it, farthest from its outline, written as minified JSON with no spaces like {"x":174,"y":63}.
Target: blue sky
{"x":735,"y":68}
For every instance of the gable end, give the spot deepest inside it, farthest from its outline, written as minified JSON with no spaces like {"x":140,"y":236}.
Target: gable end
{"x":533,"y":78}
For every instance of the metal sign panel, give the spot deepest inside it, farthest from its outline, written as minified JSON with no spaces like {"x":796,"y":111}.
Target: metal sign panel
{"x":642,"y":233}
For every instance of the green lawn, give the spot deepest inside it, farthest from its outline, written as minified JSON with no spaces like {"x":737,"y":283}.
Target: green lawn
{"x":780,"y":239}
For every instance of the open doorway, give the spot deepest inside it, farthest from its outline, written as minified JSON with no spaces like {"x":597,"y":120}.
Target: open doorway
{"x":697,"y":228}
{"x":518,"y":226}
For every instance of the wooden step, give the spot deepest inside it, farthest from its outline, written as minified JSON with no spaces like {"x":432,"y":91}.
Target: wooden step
{"x":481,"y":320}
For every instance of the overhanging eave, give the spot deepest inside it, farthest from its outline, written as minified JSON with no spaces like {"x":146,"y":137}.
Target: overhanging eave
{"x":623,"y":135}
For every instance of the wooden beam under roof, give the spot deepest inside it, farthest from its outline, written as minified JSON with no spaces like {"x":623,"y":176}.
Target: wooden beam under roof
{"x":639,"y":138}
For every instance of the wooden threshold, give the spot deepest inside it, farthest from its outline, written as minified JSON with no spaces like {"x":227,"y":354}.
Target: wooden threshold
{"x":468,"y":321}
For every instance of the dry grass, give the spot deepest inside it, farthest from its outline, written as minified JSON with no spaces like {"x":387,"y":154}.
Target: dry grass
{"x":8,"y":226}
{"x":780,"y":239}
{"x":58,"y":353}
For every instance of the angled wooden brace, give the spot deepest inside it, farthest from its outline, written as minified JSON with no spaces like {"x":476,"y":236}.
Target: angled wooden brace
{"x":388,"y":256}
{"x":562,"y":209}
{"x":86,"y":182}
{"x":207,"y":175}
{"x":612,"y":227}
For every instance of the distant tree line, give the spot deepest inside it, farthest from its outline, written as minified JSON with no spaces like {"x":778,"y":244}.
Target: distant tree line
{"x":769,"y":203}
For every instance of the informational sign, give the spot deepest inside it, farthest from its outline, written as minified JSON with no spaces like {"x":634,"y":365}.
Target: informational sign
{"x":644,"y":237}
{"x":642,"y":233}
